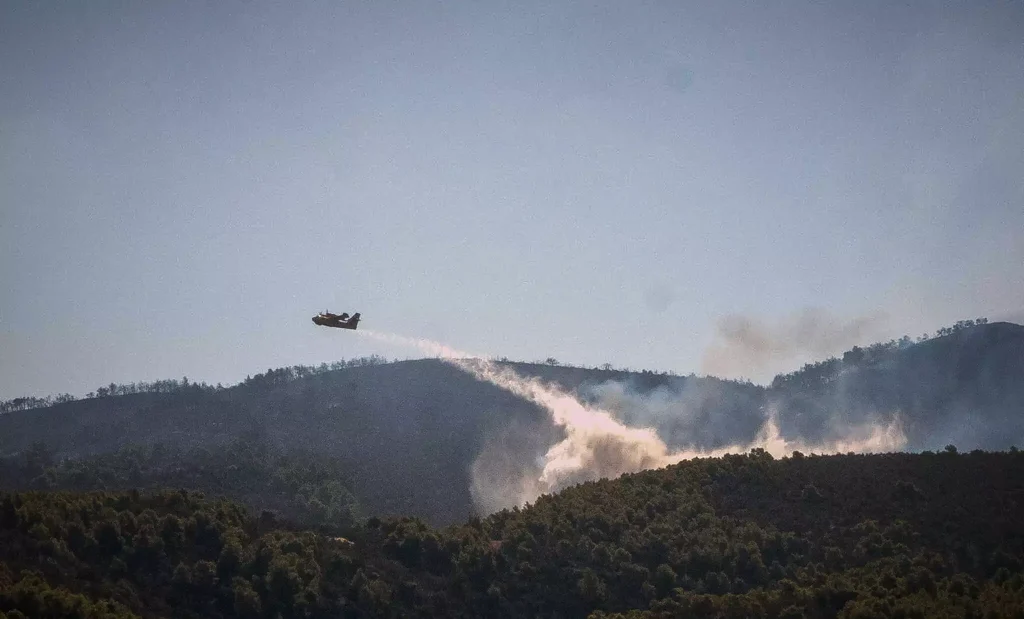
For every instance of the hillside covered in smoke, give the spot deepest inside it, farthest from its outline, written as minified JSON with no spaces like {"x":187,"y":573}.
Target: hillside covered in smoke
{"x":428,"y":438}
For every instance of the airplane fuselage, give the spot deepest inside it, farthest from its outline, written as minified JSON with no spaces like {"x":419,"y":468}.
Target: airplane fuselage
{"x":335,"y":321}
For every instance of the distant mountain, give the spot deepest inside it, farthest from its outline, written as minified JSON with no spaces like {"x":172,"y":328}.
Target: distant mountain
{"x":964,"y":388}
{"x":409,"y":431}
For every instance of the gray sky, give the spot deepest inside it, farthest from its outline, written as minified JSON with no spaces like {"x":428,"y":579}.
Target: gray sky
{"x":182,"y":185}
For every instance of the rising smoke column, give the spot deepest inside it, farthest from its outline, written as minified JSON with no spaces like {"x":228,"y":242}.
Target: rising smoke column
{"x":596,"y":445}
{"x":748,"y":346}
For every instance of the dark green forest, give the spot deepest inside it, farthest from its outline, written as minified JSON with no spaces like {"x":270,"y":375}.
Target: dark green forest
{"x":308,"y":489}
{"x":898,"y":535}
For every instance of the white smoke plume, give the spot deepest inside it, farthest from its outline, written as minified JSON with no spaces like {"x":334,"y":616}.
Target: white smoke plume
{"x":596,"y":445}
{"x":748,"y":347}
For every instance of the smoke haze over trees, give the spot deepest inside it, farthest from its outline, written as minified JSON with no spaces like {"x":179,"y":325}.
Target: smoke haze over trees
{"x":416,"y":436}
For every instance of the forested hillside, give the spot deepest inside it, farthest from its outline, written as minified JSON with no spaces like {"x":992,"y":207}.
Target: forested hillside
{"x":407,"y":431}
{"x":965,"y":387}
{"x":900,"y":535}
{"x":309,"y":489}
{"x":406,"y":434}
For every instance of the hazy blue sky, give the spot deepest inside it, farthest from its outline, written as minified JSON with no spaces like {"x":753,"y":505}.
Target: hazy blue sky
{"x":184,"y":184}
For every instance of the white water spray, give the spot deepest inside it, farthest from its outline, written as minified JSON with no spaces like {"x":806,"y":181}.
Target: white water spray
{"x":598,"y":446}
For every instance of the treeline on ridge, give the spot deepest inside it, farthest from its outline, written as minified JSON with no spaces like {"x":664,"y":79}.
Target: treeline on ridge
{"x":272,"y":377}
{"x":819,"y":373}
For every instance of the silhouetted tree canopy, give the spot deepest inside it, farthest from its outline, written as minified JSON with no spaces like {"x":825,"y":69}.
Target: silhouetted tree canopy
{"x":896,"y":535}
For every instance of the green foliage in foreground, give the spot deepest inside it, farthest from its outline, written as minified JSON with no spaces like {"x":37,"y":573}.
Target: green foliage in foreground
{"x":931,"y":535}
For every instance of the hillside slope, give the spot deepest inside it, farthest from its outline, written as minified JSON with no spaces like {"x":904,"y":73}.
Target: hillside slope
{"x":964,"y":388}
{"x":410,"y":431}
{"x":899,"y":535}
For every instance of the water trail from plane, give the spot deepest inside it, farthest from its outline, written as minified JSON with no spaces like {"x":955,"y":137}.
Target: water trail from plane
{"x":596,"y":445}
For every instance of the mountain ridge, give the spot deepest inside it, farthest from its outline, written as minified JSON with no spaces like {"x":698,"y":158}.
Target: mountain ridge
{"x":413,"y":429}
